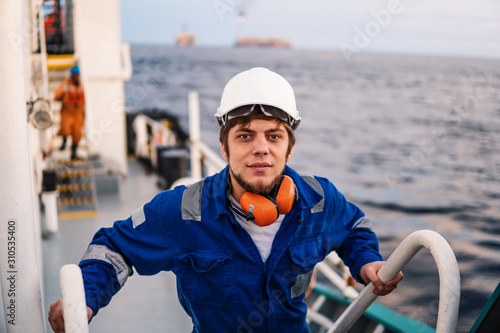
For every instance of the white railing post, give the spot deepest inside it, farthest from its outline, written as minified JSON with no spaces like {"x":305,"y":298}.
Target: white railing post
{"x":74,"y":305}
{"x":19,"y":268}
{"x":449,"y":280}
{"x":194,"y":134}
{"x":126,"y":61}
{"x":141,"y":135}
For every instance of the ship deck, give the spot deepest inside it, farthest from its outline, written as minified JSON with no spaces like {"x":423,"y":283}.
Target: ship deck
{"x":145,"y":303}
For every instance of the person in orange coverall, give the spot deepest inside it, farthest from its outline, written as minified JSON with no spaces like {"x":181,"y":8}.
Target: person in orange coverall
{"x":72,"y":96}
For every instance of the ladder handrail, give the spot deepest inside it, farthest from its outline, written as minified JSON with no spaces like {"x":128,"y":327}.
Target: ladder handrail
{"x":73,"y":299}
{"x":449,"y":280}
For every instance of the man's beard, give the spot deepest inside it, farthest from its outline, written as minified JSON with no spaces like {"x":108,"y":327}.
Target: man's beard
{"x":259,"y":187}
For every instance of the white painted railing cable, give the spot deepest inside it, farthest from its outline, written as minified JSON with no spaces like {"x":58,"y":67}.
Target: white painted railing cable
{"x":73,"y":299}
{"x":449,"y":280}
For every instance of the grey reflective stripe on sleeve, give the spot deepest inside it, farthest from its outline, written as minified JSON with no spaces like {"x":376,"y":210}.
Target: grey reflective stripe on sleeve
{"x":191,"y":202}
{"x":363,"y":222}
{"x":317,"y":187}
{"x":138,"y":217}
{"x":101,"y":252}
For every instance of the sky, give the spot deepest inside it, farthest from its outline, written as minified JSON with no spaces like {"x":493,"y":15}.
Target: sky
{"x":441,"y":27}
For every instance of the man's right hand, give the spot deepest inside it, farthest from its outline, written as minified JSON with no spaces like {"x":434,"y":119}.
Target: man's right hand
{"x":56,"y":320}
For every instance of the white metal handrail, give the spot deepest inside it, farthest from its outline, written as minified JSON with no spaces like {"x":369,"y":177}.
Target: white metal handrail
{"x":73,"y":299}
{"x":212,"y":160}
{"x":449,"y":280}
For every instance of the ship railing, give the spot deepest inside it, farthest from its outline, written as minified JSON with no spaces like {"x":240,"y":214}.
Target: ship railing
{"x":150,"y":134}
{"x":211,"y":160}
{"x":204,"y":161}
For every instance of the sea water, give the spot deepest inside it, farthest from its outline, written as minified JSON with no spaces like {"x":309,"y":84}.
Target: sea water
{"x":413,"y":140}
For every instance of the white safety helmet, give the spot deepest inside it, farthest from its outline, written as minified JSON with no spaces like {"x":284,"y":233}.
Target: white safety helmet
{"x":262,"y":87}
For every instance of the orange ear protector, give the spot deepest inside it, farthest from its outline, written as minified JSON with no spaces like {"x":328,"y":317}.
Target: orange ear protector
{"x":264,"y":210}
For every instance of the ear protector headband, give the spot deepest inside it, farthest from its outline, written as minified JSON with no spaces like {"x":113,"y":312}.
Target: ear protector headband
{"x":264,"y":210}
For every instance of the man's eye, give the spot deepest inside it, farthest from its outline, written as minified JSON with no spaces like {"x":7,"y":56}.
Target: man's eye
{"x":274,"y":137}
{"x":244,"y":136}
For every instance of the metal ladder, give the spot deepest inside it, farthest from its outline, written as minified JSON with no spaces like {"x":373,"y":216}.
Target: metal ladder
{"x":76,"y":187}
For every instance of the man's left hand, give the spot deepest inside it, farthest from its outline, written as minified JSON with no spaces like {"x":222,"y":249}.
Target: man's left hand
{"x":369,"y":274}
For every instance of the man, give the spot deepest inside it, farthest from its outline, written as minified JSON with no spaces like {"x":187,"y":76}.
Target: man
{"x":244,"y":242}
{"x":71,"y":94}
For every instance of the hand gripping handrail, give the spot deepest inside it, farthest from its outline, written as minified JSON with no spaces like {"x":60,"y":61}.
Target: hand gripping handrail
{"x":73,"y":299}
{"x":449,"y":281}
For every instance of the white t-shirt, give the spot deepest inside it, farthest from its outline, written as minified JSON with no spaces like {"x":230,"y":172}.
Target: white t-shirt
{"x":262,"y":236}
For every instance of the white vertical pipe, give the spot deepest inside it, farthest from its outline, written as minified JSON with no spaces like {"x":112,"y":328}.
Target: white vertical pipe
{"x":19,"y":274}
{"x":194,"y":134}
